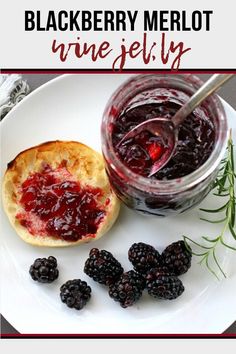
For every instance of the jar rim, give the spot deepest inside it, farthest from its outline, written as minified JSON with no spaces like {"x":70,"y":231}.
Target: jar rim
{"x":173,"y":185}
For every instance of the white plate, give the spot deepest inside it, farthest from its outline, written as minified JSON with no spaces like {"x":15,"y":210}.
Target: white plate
{"x":71,"y":107}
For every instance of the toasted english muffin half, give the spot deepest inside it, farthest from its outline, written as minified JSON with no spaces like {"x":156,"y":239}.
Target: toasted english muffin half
{"x":57,"y":194}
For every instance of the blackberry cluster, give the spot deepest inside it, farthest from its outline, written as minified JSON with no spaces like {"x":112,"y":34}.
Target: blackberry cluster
{"x":157,"y":273}
{"x":162,"y":285}
{"x":128,"y":289}
{"x":177,"y":258}
{"x":143,"y":257}
{"x":102,"y":267}
{"x":161,"y":271}
{"x":44,"y":270}
{"x":75,"y":293}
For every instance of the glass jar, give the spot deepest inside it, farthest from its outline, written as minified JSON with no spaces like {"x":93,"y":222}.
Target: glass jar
{"x":150,"y":195}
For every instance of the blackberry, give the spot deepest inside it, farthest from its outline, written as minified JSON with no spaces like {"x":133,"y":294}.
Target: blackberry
{"x":75,"y":293}
{"x":128,"y":289}
{"x":143,"y":257}
{"x":177,"y":258}
{"x":102,"y":267}
{"x":44,"y":270}
{"x":162,"y":285}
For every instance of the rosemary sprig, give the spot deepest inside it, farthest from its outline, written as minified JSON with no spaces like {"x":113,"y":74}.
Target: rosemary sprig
{"x":224,"y":186}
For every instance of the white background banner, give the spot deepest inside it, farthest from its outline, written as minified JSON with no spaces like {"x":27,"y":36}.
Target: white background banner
{"x":197,"y":35}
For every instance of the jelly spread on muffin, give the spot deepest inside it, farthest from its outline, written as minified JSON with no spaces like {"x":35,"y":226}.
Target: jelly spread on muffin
{"x":56,"y":205}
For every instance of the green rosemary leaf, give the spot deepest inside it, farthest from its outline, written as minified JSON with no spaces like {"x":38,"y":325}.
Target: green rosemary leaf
{"x":232,"y":214}
{"x":223,"y":179}
{"x":203,"y":259}
{"x":210,"y":240}
{"x":217,"y":263}
{"x":214,"y":221}
{"x":226,"y":245}
{"x":198,"y":254}
{"x":215,"y":210}
{"x":221,"y":195}
{"x":195,"y":243}
{"x":211,"y":270}
{"x":231,"y":148}
{"x":233,"y":233}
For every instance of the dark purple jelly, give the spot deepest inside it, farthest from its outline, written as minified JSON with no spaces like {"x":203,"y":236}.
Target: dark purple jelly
{"x":57,"y":206}
{"x":188,"y":176}
{"x":195,"y":141}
